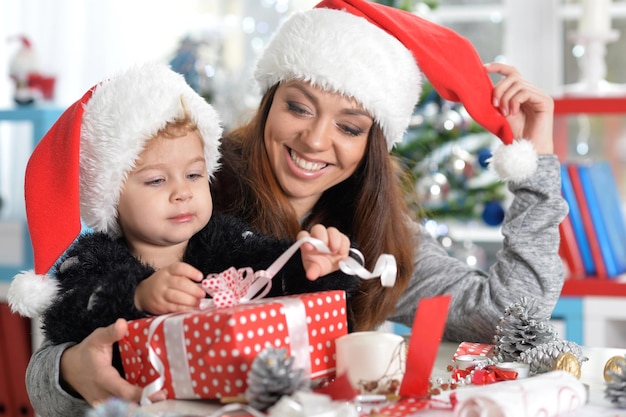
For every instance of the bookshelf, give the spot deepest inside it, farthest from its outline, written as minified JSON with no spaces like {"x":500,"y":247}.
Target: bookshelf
{"x":592,"y":308}
{"x":590,"y":105}
{"x":594,"y":286}
{"x":612,"y":108}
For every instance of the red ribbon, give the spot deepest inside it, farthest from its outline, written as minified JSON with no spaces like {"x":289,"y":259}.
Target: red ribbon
{"x":485,"y":375}
{"x":426,"y":334}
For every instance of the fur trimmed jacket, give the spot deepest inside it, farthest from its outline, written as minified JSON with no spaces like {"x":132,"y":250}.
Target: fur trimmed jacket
{"x":98,"y":275}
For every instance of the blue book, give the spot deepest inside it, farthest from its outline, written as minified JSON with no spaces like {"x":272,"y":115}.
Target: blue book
{"x":605,"y":207}
{"x":577,"y":222}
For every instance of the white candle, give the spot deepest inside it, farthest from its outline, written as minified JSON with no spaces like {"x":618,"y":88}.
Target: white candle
{"x":595,"y":17}
{"x":465,"y":361}
{"x":522,"y":369}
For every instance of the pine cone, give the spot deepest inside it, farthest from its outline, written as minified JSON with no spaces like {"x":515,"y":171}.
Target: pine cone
{"x":541,"y":358}
{"x":271,"y":376}
{"x":520,"y":329}
{"x":615,"y":376}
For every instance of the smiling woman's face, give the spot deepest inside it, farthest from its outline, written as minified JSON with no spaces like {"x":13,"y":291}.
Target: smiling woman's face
{"x":315,"y":139}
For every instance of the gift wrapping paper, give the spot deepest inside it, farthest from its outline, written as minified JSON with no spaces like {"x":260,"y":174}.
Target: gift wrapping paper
{"x":474,"y":349}
{"x":207,"y":354}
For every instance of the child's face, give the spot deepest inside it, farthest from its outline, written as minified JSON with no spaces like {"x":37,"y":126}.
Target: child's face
{"x":166,"y":198}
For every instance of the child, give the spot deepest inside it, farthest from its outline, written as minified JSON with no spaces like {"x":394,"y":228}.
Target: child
{"x":139,"y":151}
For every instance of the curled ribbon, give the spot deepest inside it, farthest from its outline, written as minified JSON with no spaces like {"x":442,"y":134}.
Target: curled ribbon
{"x":385,"y":268}
{"x":235,"y":286}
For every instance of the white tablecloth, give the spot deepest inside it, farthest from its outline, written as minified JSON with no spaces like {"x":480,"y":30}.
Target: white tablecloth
{"x":592,"y":374}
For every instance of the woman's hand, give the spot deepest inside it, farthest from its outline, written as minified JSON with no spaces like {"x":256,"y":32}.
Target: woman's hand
{"x":87,"y":368}
{"x":318,"y":264}
{"x":171,"y":289}
{"x":529,"y":111}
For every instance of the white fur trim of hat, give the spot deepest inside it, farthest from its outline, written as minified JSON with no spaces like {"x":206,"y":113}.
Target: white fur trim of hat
{"x":30,"y":294}
{"x":354,"y":61}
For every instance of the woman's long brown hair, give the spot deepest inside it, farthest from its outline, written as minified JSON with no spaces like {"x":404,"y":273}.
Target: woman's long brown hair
{"x":368,"y":207}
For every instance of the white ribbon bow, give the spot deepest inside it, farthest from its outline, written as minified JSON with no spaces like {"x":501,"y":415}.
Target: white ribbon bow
{"x":235,"y":286}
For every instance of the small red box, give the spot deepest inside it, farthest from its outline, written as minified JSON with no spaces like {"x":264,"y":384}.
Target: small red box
{"x":207,"y":354}
{"x":477,"y":349}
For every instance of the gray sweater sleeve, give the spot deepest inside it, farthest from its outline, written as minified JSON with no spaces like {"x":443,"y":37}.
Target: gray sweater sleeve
{"x":44,"y":390}
{"x":528,"y":263}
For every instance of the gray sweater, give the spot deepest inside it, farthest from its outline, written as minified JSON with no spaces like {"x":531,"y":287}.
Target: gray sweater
{"x":528,"y":264}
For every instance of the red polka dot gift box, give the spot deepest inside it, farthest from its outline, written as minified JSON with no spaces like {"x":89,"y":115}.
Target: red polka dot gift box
{"x":207,"y":354}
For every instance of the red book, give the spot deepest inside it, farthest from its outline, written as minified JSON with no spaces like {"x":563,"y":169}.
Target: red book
{"x":569,"y":250}
{"x":592,"y":238}
{"x":576,"y":220}
{"x":17,"y":349}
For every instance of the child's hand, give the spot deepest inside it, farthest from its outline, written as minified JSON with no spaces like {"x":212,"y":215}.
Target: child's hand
{"x":170,"y":290}
{"x":316,"y":263}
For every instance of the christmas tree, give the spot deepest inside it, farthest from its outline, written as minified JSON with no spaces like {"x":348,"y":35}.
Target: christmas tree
{"x":445,"y":155}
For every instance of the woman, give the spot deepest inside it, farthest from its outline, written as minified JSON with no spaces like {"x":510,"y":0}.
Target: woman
{"x":338,"y":93}
{"x":320,"y":143}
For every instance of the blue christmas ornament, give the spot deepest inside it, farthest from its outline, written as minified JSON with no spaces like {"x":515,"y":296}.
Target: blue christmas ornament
{"x":493,"y":213}
{"x":483,"y":155}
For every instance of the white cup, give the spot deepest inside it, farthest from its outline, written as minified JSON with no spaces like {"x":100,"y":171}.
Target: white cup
{"x":374,"y":361}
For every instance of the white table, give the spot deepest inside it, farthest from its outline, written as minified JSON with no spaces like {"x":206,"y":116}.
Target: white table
{"x":591,"y":374}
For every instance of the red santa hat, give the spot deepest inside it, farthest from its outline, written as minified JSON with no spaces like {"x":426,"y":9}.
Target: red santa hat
{"x":376,"y":54}
{"x":78,"y":170}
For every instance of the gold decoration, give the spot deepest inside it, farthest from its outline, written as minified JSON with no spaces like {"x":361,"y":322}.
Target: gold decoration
{"x":568,"y":362}
{"x":615,"y":364}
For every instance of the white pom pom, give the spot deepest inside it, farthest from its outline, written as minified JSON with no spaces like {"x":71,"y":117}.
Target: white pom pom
{"x":30,"y":294}
{"x":514,"y":162}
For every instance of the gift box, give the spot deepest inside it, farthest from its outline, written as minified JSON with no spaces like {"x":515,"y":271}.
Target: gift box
{"x":474,"y":349}
{"x":207,"y":354}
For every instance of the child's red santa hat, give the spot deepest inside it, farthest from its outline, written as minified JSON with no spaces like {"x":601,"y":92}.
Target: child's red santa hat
{"x":375,"y":53}
{"x":78,"y":170}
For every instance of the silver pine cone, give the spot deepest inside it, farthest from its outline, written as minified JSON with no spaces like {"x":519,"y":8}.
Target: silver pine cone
{"x":541,"y":358}
{"x":521,"y":328}
{"x":272,"y":376}
{"x":615,"y":390}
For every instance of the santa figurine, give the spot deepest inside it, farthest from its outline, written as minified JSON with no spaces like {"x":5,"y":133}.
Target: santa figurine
{"x":21,"y":67}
